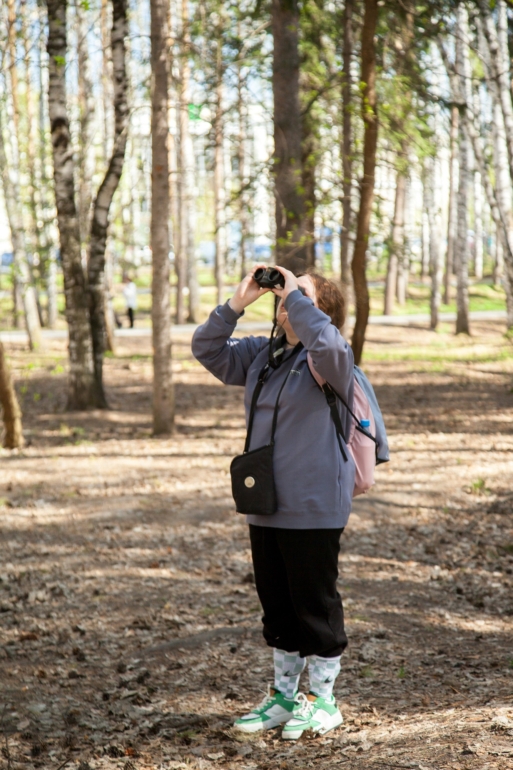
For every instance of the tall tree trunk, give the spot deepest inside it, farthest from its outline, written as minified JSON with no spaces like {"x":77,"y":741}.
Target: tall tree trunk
{"x":424,"y":259}
{"x":347,"y":157}
{"x":370,"y":140}
{"x":478,"y":226}
{"x":462,"y":67}
{"x":498,"y":262}
{"x":396,"y":242}
{"x":435,"y":251}
{"x":186,"y":262}
{"x":188,"y":170}
{"x":499,"y":62}
{"x":163,"y":397}
{"x":242,"y":163}
{"x":47,"y":254}
{"x":11,"y":412}
{"x":14,"y":216}
{"x":100,"y":220}
{"x":13,"y":76}
{"x":311,"y":36}
{"x":86,"y":109}
{"x":452,"y":214}
{"x":291,"y":251}
{"x":219,"y":189}
{"x":82,"y":392}
{"x":30,"y":165}
{"x":403,"y":262}
{"x":106,"y":79}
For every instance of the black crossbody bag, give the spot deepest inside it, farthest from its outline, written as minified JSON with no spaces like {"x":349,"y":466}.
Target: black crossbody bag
{"x":252,"y":472}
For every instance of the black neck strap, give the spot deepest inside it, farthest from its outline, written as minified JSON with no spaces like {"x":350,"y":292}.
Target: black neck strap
{"x":263,"y":374}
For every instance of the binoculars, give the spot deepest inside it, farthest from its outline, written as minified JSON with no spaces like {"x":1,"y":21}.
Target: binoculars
{"x":269,"y":278}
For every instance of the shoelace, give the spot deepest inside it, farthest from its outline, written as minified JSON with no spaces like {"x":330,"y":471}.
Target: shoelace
{"x":306,"y":707}
{"x":263,"y":704}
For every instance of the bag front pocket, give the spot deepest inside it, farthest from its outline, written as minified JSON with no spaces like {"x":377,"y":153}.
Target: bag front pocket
{"x":253,"y":482}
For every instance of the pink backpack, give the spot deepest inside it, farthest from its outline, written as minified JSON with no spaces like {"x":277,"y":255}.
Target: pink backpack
{"x":361,"y":442}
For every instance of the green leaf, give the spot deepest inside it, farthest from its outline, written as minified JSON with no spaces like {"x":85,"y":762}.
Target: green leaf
{"x":59,"y":60}
{"x":194,"y":111}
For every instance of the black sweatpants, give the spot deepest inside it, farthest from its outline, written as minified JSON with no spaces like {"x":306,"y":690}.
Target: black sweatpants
{"x":296,"y":574}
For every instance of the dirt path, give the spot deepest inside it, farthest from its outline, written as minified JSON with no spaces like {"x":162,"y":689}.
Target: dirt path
{"x":129,"y":623}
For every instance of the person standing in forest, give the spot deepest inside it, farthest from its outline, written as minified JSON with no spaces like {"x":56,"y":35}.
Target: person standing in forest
{"x":130,"y":295}
{"x":295,"y":550}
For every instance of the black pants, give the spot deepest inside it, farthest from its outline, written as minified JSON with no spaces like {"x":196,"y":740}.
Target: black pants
{"x":130,"y":312}
{"x":296,"y":574}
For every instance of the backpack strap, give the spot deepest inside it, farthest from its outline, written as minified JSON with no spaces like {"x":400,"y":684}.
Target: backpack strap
{"x":330,"y":393}
{"x":332,"y":403}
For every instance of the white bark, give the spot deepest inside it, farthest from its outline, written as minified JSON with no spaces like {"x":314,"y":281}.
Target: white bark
{"x":478,"y":226}
{"x":187,"y":228}
{"x":434,"y":215}
{"x":12,"y":197}
{"x":163,"y":397}
{"x":499,"y":63}
{"x":219,"y":188}
{"x":82,"y":392}
{"x":463,"y":70}
{"x":452,"y":215}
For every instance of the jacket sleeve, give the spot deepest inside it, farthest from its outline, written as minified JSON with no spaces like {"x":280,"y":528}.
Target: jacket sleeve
{"x":227,"y":358}
{"x":331,"y":354}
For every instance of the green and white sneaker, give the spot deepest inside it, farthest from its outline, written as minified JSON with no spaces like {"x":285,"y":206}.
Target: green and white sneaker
{"x":274,"y":710}
{"x":319,"y":716}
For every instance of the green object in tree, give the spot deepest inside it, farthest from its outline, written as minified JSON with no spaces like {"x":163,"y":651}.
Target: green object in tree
{"x":194,"y":111}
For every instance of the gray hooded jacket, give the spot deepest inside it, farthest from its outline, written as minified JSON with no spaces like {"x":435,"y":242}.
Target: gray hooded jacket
{"x":314,"y":483}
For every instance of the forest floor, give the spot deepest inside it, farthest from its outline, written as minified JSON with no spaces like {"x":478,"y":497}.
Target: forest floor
{"x":129,"y":624}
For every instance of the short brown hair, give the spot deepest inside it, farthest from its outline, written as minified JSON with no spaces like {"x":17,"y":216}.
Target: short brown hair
{"x":329,"y":298}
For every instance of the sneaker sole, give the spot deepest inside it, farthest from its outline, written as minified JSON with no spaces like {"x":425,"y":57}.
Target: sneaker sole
{"x":256,"y":727}
{"x":335,"y":721}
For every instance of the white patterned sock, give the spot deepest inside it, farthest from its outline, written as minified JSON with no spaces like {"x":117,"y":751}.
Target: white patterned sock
{"x":322,"y":673}
{"x":288,"y":667}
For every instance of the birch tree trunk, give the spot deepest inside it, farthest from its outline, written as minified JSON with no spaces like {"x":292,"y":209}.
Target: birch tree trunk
{"x":186,"y":262}
{"x":97,"y":285}
{"x":82,"y":392}
{"x":424,"y":264}
{"x":435,"y":251}
{"x":370,"y":122}
{"x":478,"y":226}
{"x":163,"y":396}
{"x":37,"y":234}
{"x":462,"y":67}
{"x":498,"y":203}
{"x":12,"y":197}
{"x":498,"y":264}
{"x":452,"y":214}
{"x":242,"y":161}
{"x":86,"y":109}
{"x":49,"y":268}
{"x":346,"y":150}
{"x":291,"y":251}
{"x":499,"y":62}
{"x":219,"y":189}
{"x":396,"y":243}
{"x":106,"y":79}
{"x":15,"y":132}
{"x":11,"y":412}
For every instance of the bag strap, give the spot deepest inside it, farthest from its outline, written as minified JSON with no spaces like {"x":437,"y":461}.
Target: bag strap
{"x":332,"y":403}
{"x":262,"y":376}
{"x":355,"y":418}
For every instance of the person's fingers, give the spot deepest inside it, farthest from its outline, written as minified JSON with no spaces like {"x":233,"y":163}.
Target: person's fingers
{"x":285,"y":273}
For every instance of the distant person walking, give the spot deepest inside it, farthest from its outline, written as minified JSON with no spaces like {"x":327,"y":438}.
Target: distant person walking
{"x":130,"y":295}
